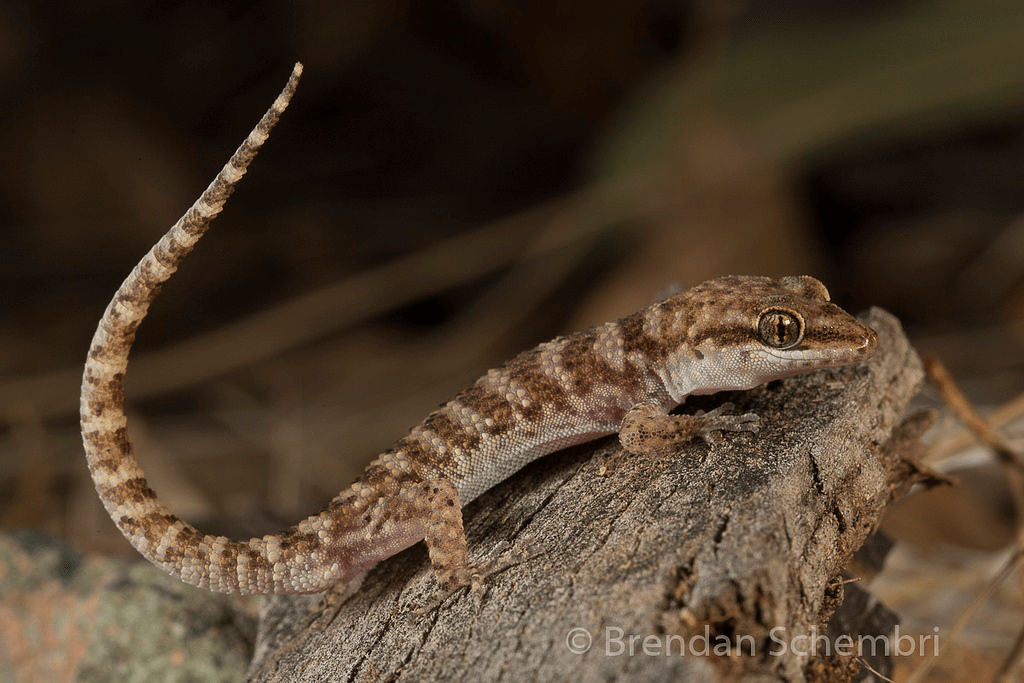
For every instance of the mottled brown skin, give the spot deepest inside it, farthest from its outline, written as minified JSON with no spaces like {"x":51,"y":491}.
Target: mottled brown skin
{"x":728,"y":333}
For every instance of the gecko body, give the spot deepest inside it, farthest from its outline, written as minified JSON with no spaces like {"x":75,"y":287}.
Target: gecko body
{"x":728,"y":333}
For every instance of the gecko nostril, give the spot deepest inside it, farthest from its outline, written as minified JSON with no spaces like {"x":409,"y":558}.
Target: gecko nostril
{"x":871,"y":341}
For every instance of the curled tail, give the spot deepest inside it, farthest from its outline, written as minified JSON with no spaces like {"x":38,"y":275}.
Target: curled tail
{"x":272,"y":564}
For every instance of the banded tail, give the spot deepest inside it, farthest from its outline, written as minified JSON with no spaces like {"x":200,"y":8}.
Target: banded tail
{"x":272,"y":564}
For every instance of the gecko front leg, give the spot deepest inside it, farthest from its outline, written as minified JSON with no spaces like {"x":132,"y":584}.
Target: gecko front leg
{"x":647,"y":428}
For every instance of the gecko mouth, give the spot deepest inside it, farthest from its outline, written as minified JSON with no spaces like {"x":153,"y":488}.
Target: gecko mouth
{"x":840,"y":356}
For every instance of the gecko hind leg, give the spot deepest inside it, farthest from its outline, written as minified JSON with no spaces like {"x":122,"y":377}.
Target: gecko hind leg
{"x":446,"y":542}
{"x":438,"y":503}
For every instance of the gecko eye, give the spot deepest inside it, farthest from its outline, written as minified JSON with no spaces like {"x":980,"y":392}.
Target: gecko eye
{"x":780,"y":329}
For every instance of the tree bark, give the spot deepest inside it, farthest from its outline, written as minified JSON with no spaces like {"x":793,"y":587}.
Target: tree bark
{"x":642,"y":568}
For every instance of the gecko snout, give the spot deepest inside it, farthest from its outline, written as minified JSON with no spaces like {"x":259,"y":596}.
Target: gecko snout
{"x":869,"y":345}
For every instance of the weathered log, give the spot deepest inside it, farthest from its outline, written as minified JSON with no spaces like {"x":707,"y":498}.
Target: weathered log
{"x":702,"y":565}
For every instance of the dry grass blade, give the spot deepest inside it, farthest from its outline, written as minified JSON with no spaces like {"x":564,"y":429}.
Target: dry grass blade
{"x":1014,"y":463}
{"x":318,"y":313}
{"x":1008,"y":412}
{"x":1012,"y":564}
{"x":1010,"y":670}
{"x":965,"y":410}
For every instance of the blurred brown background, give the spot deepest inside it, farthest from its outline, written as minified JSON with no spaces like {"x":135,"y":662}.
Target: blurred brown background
{"x":457,"y":180}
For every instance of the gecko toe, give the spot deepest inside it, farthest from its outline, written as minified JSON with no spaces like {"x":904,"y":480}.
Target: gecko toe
{"x":719,"y":411}
{"x":714,"y":425}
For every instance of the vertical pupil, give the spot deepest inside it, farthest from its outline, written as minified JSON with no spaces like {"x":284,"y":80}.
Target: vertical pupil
{"x":783,"y":329}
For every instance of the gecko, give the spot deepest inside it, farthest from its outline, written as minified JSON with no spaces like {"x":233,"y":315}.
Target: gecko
{"x":729,"y":333}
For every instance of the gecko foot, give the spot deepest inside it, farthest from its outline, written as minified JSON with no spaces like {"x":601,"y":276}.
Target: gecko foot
{"x":648,"y":429}
{"x":437,"y":598}
{"x":714,"y":422}
{"x":505,"y":559}
{"x":474,"y":578}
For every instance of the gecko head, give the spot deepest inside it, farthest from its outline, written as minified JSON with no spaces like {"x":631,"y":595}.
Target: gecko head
{"x":740,"y":332}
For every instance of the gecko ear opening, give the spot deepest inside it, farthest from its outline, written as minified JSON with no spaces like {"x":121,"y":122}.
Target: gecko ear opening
{"x":780,"y":328}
